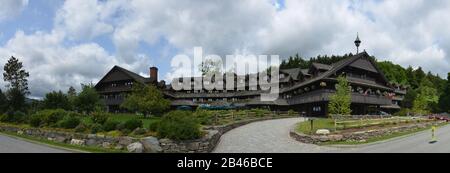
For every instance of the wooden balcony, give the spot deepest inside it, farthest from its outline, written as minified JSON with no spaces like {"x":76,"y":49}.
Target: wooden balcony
{"x":116,"y":89}
{"x":113,"y":101}
{"x":324,"y":95}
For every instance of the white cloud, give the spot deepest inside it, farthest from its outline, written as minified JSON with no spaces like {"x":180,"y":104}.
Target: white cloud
{"x":11,"y":8}
{"x":53,"y":66}
{"x":86,"y":19}
{"x":408,"y":32}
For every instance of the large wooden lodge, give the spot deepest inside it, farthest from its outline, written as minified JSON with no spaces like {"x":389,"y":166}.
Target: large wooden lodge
{"x":302,"y":90}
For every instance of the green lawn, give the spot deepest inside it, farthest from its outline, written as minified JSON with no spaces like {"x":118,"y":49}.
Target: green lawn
{"x":321,"y":123}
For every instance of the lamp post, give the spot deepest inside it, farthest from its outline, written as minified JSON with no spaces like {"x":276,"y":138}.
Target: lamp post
{"x":357,"y":43}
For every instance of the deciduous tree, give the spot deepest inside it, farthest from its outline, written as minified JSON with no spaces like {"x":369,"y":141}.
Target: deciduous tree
{"x":340,"y":101}
{"x":146,"y":99}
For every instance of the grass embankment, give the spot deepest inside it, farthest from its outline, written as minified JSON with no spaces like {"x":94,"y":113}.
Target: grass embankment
{"x":358,"y":125}
{"x":382,"y":138}
{"x":326,"y":123}
{"x":69,"y":147}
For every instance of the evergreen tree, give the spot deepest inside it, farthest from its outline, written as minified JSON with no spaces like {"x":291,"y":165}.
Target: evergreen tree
{"x":56,"y":100}
{"x":3,"y":102}
{"x":17,"y":83}
{"x":444,"y":100}
{"x":72,"y":95}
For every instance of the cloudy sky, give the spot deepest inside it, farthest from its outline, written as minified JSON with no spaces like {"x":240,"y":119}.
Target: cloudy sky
{"x":65,"y":43}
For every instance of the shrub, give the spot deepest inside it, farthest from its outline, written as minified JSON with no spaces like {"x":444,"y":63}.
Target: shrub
{"x":99,"y":117}
{"x":75,"y":114}
{"x":69,"y":122}
{"x":13,"y":117}
{"x":51,"y":117}
{"x":153,"y":126}
{"x":291,"y":112}
{"x":35,"y":120}
{"x":114,"y":133}
{"x":110,"y":125}
{"x":131,"y":124}
{"x":179,"y":125}
{"x":81,"y":128}
{"x":139,"y":131}
{"x":403,"y":112}
{"x":205,"y":117}
{"x":95,"y":128}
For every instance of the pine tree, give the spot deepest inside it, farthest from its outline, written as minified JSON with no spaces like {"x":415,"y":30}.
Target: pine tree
{"x":444,"y":100}
{"x":17,"y":84}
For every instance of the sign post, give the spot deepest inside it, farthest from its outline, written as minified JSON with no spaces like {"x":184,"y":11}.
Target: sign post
{"x":433,"y":137}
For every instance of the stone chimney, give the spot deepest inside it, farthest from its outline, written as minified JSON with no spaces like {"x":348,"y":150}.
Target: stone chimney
{"x":154,"y":74}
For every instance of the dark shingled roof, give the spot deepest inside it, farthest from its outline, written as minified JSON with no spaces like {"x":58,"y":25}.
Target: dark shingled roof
{"x":293,"y":72}
{"x":305,"y":72}
{"x":321,"y":66}
{"x":131,"y":74}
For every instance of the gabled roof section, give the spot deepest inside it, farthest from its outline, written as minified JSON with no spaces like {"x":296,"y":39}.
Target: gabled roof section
{"x":321,"y":66}
{"x":305,"y":72}
{"x":128,"y":73}
{"x":293,"y":72}
{"x":335,"y":67}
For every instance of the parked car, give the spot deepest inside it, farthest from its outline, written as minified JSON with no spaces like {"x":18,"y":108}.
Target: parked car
{"x":439,"y":117}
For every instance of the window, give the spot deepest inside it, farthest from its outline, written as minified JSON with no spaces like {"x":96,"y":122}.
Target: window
{"x":317,"y":109}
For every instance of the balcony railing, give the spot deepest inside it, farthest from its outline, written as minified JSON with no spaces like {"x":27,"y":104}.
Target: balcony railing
{"x":324,"y":95}
{"x":111,"y":89}
{"x":113,"y":101}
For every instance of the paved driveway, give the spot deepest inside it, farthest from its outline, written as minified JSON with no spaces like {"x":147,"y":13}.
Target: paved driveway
{"x":12,"y":145}
{"x":271,"y":136}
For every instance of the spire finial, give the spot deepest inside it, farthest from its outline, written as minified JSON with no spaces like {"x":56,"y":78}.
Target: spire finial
{"x":357,"y":43}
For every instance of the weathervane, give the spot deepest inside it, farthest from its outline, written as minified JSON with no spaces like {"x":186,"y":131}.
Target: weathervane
{"x":357,"y":43}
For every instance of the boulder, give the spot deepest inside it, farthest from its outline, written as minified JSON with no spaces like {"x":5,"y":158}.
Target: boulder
{"x":335,"y":137}
{"x":118,"y":147}
{"x":125,"y":140}
{"x":151,"y":145}
{"x":323,"y":132}
{"x":106,"y":145}
{"x":135,"y":148}
{"x":77,"y":142}
{"x":61,"y":139}
{"x":91,"y":142}
{"x":20,"y":132}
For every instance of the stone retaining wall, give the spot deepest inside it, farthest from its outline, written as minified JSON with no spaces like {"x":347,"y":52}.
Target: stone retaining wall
{"x":359,"y":136}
